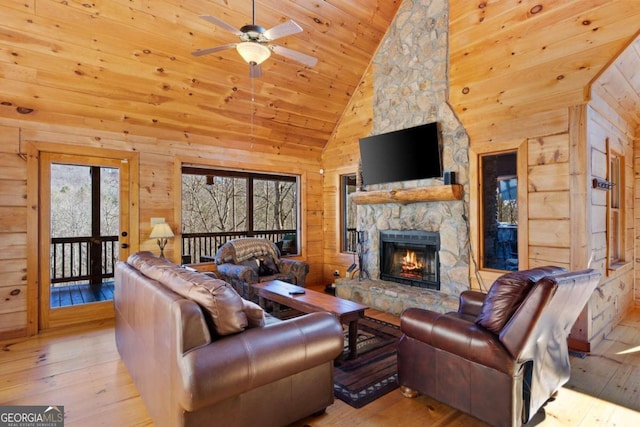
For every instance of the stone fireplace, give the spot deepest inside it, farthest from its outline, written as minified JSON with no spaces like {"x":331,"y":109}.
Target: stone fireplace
{"x":410,"y":81}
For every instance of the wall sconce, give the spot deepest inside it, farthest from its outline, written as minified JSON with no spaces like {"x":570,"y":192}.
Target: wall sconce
{"x":602,"y":184}
{"x":161,"y":231}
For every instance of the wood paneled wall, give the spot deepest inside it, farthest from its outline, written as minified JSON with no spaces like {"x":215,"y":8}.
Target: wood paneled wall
{"x":615,"y":294}
{"x":549,"y":202}
{"x":13,"y":235}
{"x":341,"y":156}
{"x":159,"y":196}
{"x":613,"y":115}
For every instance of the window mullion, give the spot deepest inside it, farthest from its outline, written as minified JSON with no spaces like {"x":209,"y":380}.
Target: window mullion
{"x":250,"y":210}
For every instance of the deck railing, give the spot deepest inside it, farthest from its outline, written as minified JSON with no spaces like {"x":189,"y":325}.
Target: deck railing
{"x":71,"y":258}
{"x":197,"y":245}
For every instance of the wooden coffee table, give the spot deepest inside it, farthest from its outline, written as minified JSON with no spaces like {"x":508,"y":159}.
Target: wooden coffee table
{"x":348,"y":312}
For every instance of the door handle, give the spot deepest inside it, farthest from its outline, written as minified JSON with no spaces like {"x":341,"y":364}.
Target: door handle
{"x":124,"y":246}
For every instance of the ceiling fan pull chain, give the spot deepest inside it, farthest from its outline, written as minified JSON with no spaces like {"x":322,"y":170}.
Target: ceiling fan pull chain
{"x":253,"y":99}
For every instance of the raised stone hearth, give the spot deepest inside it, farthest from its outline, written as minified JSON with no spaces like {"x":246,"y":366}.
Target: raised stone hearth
{"x":393,"y":297}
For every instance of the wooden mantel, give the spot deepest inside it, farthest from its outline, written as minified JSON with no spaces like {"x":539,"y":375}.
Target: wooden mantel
{"x":435,"y":193}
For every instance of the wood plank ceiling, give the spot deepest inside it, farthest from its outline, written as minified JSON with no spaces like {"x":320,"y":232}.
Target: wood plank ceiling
{"x":126,"y":65}
{"x":513,"y":59}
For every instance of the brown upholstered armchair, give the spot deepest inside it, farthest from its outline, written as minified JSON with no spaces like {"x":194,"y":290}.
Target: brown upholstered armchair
{"x":503,"y":354}
{"x":246,"y":261}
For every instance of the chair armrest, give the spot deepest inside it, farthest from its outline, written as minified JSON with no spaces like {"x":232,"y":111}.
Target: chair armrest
{"x":471,"y":303}
{"x":238,"y":272}
{"x":259,"y":356}
{"x":297,"y":268}
{"x":457,"y":336}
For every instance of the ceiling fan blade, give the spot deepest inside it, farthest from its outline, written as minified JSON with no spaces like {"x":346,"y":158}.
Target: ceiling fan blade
{"x":255,"y":70}
{"x":213,"y":49}
{"x":282,"y":30}
{"x":219,"y":23}
{"x":300,"y":57}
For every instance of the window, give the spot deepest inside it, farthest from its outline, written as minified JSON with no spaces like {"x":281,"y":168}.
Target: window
{"x":499,"y":208}
{"x":615,"y":208}
{"x":348,"y":213}
{"x":220,"y":205}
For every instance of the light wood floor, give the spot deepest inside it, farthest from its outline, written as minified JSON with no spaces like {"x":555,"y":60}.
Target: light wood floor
{"x":79,"y":367}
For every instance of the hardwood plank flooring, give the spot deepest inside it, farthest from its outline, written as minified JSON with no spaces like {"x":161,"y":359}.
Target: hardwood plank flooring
{"x":79,"y":367}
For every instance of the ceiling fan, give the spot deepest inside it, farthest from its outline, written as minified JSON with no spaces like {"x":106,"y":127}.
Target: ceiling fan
{"x":254,"y":45}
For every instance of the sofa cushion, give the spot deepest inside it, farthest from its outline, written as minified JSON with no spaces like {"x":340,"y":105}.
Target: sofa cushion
{"x":507,"y":294}
{"x":254,"y":313}
{"x":218,"y":299}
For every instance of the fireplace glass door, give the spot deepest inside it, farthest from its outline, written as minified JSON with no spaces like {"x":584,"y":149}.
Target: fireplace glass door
{"x":411,"y":259}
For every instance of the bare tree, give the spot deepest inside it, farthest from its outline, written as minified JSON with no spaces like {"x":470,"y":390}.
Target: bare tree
{"x":217,"y":205}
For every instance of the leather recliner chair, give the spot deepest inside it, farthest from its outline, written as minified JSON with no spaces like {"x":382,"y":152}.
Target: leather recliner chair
{"x":503,"y":354}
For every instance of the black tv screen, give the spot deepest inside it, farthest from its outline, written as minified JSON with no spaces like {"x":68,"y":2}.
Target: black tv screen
{"x":403,"y":155}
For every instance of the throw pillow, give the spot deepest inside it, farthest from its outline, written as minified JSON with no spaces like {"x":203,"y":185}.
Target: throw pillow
{"x":267,"y":267}
{"x":255,"y":314}
{"x":219,"y":300}
{"x":253,"y":263}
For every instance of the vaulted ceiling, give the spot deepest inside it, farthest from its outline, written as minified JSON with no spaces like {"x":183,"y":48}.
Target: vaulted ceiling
{"x":511,"y":60}
{"x":126,"y":65}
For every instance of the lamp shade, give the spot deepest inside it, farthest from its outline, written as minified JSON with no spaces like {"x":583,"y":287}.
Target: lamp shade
{"x":253,"y":52}
{"x":160,"y":231}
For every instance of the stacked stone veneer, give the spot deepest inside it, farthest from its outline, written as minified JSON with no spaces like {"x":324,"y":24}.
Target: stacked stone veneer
{"x":411,"y":88}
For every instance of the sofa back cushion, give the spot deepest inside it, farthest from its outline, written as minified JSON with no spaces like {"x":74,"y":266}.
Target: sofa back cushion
{"x":507,"y":293}
{"x":220,"y":302}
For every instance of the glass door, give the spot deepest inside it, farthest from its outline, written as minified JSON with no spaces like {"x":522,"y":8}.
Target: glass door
{"x":83,"y":232}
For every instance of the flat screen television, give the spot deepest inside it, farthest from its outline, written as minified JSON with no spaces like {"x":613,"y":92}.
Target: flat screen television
{"x":402,"y":155}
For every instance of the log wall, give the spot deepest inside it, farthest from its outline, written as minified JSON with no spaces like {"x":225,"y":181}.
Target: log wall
{"x":613,"y":115}
{"x":615,"y":295}
{"x":159,"y":196}
{"x":341,"y":156}
{"x":13,"y":235}
{"x":544,"y":197}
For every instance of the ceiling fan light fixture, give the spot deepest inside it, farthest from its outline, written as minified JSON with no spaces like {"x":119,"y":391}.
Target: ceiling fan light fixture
{"x":253,"y":52}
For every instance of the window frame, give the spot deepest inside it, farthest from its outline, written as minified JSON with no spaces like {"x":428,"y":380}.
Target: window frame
{"x":344,"y":203}
{"x":251,"y":176}
{"x":482,"y":278}
{"x":616,"y":209}
{"x":481,"y":207}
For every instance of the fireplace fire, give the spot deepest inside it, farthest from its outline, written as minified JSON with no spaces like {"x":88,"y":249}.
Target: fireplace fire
{"x":411,"y":266}
{"x":410,"y":257}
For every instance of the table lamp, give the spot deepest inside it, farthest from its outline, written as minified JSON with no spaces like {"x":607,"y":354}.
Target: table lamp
{"x":161,"y":231}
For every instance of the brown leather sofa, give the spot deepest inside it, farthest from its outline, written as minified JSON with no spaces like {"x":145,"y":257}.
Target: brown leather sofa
{"x":200,"y":355}
{"x":503,"y":354}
